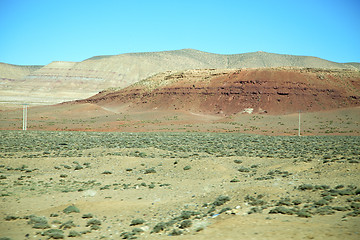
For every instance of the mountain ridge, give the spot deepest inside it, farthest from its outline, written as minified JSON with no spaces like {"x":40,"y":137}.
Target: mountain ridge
{"x":64,"y":81}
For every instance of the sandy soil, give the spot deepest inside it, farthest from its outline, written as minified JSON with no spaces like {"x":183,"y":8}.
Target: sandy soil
{"x":120,"y":184}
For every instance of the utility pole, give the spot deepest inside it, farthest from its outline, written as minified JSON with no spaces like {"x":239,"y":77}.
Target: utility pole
{"x":299,"y":124}
{"x":25,"y":116}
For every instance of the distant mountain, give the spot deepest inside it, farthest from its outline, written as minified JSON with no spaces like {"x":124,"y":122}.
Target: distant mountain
{"x":62,"y":81}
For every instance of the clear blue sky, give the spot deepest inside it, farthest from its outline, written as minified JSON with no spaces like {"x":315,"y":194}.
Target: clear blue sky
{"x":40,"y":31}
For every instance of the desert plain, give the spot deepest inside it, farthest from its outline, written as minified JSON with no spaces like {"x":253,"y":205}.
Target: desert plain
{"x":211,"y":153}
{"x":106,"y":185}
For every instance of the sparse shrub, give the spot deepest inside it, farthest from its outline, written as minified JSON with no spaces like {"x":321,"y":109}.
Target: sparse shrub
{"x":185,"y":224}
{"x":346,"y":192}
{"x":73,"y":233}
{"x":297,"y":201}
{"x":303,"y":214}
{"x":244,"y":169}
{"x":78,"y":167}
{"x":93,"y":222}
{"x":234,"y":180}
{"x":106,"y":172}
{"x":328,"y":198}
{"x":87,"y":215}
{"x":176,"y":232}
{"x":137,"y":230}
{"x":187,"y":168}
{"x":284,"y":201}
{"x":95,"y":227}
{"x":282,"y":210}
{"x":35,"y":219}
{"x":355,"y":213}
{"x":54,"y":233}
{"x":326,"y":210}
{"x":137,"y":222}
{"x":237,"y":161}
{"x":128,"y":235}
{"x":304,"y":187}
{"x":161,"y":226}
{"x":10,"y":218}
{"x":71,"y":209}
{"x":255,"y":210}
{"x":56,"y":222}
{"x":67,"y":225}
{"x":221,"y":200}
{"x":355,"y":205}
{"x":339,"y":208}
{"x":186,"y":215}
{"x":150,"y":170}
{"x":255,"y":201}
{"x":41,"y":225}
{"x":321,"y":202}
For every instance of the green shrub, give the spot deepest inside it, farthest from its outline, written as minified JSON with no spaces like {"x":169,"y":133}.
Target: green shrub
{"x":73,"y":233}
{"x":282,"y":210}
{"x":221,"y":200}
{"x":159,"y":227}
{"x":244,"y":169}
{"x":187,"y":168}
{"x":87,"y":215}
{"x":71,"y":209}
{"x":10,"y":218}
{"x":185,"y":224}
{"x":176,"y":232}
{"x":304,"y":187}
{"x":303,"y":214}
{"x":137,"y":222}
{"x":54,"y":233}
{"x":93,"y":222}
{"x":150,"y":170}
{"x":67,"y":225}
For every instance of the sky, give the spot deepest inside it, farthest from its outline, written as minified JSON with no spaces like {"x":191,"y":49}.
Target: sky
{"x":37,"y":32}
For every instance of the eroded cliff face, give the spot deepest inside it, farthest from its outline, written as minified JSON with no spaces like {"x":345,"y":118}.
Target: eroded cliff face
{"x":216,"y":91}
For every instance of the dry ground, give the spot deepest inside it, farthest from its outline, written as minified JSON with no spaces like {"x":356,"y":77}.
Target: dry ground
{"x":90,"y":117}
{"x":199,"y":185}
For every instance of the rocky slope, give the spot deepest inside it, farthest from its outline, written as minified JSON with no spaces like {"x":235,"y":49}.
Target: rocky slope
{"x":229,"y":91}
{"x":62,"y":81}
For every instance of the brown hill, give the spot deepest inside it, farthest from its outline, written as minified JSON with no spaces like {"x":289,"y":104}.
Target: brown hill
{"x":229,"y":91}
{"x":63,"y":81}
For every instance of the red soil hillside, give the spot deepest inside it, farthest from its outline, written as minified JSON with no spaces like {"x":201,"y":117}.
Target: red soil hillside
{"x":267,"y":90}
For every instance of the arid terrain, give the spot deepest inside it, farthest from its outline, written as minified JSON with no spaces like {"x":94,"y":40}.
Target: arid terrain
{"x":181,"y":144}
{"x":91,"y":185}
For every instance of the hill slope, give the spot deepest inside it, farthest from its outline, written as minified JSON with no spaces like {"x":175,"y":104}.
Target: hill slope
{"x":9,"y":72}
{"x":226,"y":91}
{"x":62,"y":81}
